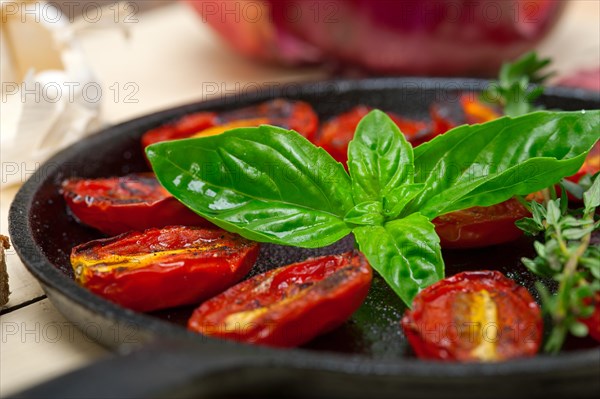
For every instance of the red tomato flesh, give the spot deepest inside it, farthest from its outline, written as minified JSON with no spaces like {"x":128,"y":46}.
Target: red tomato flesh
{"x":474,"y":316}
{"x":288,"y":306}
{"x":116,"y":205}
{"x":295,"y":115}
{"x":481,"y":226}
{"x":163,"y":268}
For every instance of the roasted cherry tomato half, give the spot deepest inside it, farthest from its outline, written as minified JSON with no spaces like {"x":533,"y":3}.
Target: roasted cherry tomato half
{"x":181,"y":129}
{"x":295,"y":115}
{"x":288,"y":306}
{"x":163,"y":268}
{"x":474,"y":316}
{"x":477,"y":112}
{"x":336,"y":133}
{"x":115,"y":205}
{"x":481,"y":226}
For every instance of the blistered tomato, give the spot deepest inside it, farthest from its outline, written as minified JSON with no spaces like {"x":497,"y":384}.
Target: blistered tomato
{"x":115,"y":205}
{"x":295,"y":115}
{"x":163,"y":268}
{"x":481,"y":226}
{"x":288,"y":306}
{"x":474,"y":316}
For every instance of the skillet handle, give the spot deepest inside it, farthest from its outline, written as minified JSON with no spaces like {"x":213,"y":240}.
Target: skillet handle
{"x":160,"y":369}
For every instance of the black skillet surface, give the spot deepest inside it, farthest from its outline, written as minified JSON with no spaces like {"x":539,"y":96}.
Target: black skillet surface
{"x":366,"y":357}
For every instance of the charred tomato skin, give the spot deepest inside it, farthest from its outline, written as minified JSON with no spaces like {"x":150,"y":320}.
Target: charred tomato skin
{"x":290,"y":305}
{"x":116,"y":205}
{"x":182,"y":128}
{"x":480,"y":226}
{"x":474,"y":316}
{"x":163,"y":268}
{"x":295,"y":115}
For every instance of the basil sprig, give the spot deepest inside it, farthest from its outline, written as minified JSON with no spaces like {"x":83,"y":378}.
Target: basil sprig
{"x":514,"y":89}
{"x":272,"y":185}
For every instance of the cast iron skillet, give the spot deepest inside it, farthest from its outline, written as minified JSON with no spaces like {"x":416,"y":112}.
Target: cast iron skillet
{"x":367,"y":357}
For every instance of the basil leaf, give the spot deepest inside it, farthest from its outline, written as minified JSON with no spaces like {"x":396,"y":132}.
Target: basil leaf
{"x":379,"y":158}
{"x":266,"y":184}
{"x":406,"y":253}
{"x":367,"y":213}
{"x":396,"y":200}
{"x":482,"y":165}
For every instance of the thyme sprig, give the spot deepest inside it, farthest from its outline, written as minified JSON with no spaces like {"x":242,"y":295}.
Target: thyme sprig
{"x":568,"y":256}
